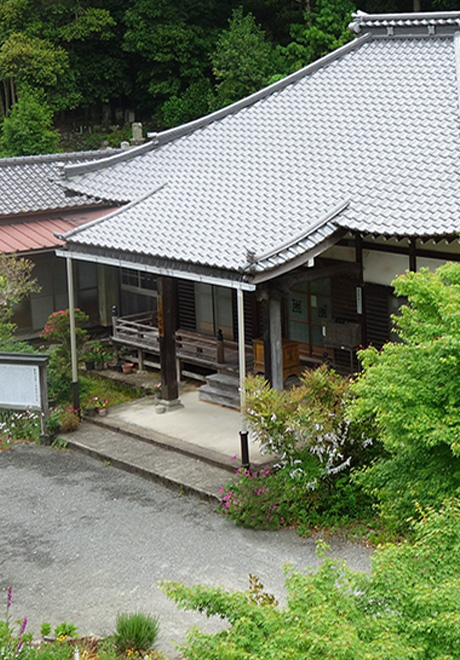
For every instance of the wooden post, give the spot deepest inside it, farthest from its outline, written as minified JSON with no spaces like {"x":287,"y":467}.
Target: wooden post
{"x":220,"y":347}
{"x":242,"y":373}
{"x":413,"y":255}
{"x":276,"y":341}
{"x":360,"y":291}
{"x":167,"y":325}
{"x":265,"y":303}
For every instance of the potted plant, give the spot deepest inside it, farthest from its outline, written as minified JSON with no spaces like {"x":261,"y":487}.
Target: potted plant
{"x":100,"y":405}
{"x":96,"y":355}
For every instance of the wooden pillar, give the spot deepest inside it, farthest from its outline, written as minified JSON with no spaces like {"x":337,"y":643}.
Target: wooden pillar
{"x":264,"y":300}
{"x":276,"y":341}
{"x":167,"y":325}
{"x":413,"y":255}
{"x":242,"y":377}
{"x":360,"y":291}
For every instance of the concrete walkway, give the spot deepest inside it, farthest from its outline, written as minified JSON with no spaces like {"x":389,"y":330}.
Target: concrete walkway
{"x":194,"y":448}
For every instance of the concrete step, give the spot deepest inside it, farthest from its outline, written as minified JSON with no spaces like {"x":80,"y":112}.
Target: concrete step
{"x":172,"y":468}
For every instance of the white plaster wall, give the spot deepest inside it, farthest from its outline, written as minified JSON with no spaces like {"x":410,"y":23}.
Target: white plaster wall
{"x":383,"y":267}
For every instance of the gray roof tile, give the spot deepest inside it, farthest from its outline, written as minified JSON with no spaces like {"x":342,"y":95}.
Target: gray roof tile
{"x":32,"y":183}
{"x":377,"y":126}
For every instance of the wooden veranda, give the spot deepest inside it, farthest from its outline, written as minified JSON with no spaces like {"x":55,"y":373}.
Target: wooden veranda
{"x":196,"y":353}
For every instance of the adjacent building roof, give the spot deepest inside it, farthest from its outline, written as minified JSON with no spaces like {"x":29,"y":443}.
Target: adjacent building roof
{"x":366,"y":139}
{"x":28,"y":234}
{"x":30,"y":184}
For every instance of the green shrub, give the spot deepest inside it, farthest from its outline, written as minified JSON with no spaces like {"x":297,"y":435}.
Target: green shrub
{"x":253,"y":499}
{"x":315,"y":443}
{"x":57,"y":332}
{"x":269,"y":498}
{"x":68,"y":420}
{"x":311,"y":417}
{"x":136,"y":631}
{"x":402,"y":483}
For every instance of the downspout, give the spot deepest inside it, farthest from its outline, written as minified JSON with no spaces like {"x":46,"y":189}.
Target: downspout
{"x":73,"y":336}
{"x":242,"y":372}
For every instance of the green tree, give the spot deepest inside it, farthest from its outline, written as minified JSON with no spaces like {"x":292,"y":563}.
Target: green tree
{"x":324,"y":29}
{"x":171,"y":43}
{"x":194,"y":102}
{"x":16,"y":283}
{"x":243,"y":60}
{"x":411,"y":389}
{"x":42,"y":46}
{"x":28,"y":128}
{"x":29,"y":63}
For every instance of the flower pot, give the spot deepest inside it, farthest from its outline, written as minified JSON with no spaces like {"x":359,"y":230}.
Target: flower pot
{"x":102,"y":412}
{"x":99,"y":366}
{"x":128,"y":368}
{"x":89,"y":364}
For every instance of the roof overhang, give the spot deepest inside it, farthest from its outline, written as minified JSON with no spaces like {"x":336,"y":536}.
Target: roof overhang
{"x":167,"y":268}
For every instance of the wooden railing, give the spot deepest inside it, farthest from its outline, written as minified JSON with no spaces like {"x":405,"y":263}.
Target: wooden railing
{"x":139,"y":332}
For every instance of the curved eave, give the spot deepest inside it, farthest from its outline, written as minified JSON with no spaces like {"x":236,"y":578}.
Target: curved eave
{"x":158,"y":265}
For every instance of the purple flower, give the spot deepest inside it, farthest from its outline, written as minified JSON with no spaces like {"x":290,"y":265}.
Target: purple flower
{"x":23,"y":627}
{"x":10,"y":596}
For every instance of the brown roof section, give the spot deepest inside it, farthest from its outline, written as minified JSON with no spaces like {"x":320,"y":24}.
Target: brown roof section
{"x":26,"y":234}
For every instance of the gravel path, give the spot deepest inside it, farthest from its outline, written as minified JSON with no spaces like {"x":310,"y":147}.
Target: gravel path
{"x":81,"y":541}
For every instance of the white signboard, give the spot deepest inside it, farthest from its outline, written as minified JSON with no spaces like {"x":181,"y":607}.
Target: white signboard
{"x":19,"y":386}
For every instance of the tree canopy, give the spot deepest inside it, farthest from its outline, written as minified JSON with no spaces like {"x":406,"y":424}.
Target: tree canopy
{"x":169,"y":62}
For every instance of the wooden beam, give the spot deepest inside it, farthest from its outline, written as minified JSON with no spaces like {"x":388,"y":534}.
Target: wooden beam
{"x":167,"y":325}
{"x":396,"y":249}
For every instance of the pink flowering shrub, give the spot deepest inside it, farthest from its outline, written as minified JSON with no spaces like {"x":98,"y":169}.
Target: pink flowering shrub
{"x":57,"y":331}
{"x":253,"y":499}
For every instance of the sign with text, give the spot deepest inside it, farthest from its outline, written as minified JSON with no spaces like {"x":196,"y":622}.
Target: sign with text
{"x":20,"y":386}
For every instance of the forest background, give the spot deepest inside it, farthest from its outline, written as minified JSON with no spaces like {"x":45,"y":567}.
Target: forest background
{"x":90,"y":67}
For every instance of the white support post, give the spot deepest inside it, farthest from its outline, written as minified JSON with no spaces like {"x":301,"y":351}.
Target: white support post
{"x":242,"y":372}
{"x":73,"y":336}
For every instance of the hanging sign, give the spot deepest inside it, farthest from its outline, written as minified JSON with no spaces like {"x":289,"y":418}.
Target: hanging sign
{"x":160,"y":316}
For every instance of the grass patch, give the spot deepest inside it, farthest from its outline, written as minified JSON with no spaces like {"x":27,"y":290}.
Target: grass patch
{"x":92,"y":386}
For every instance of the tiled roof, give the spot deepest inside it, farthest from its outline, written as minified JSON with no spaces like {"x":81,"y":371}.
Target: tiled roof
{"x":366,"y":139}
{"x":31,"y":183}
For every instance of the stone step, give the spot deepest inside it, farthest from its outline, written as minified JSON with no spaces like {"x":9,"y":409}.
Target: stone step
{"x":223,"y":381}
{"x":174,"y":469}
{"x":221,"y":389}
{"x":218,"y":397}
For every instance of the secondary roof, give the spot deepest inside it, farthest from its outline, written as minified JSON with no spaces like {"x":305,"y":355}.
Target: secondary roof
{"x":30,"y":184}
{"x":366,"y":139}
